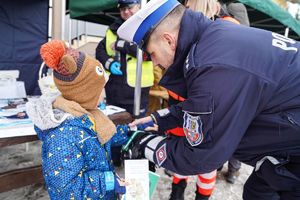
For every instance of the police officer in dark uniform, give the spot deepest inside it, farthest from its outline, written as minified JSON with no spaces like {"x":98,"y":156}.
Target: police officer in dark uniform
{"x":242,"y":90}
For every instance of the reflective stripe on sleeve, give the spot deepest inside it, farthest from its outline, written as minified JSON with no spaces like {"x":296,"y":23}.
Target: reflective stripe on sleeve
{"x":108,"y":62}
{"x":151,"y":146}
{"x":273,"y":160}
{"x":120,"y":43}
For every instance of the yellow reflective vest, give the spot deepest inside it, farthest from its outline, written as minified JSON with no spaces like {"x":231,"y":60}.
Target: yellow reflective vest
{"x":147,"y":66}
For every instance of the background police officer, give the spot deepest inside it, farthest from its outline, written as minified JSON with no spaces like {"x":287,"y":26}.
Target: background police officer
{"x":119,"y":58}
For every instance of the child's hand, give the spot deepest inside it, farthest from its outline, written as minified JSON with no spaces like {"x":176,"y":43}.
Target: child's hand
{"x":120,"y":185}
{"x":122,"y":182}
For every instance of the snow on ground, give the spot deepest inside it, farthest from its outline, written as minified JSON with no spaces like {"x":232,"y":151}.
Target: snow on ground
{"x":23,"y":155}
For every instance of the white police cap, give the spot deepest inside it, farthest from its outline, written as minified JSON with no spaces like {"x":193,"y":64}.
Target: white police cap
{"x":139,"y":26}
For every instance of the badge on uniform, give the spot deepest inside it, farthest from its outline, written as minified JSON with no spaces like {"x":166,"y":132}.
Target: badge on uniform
{"x":192,"y":127}
{"x":161,"y":155}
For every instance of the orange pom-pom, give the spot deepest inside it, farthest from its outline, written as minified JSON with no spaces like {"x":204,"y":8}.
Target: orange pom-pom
{"x":51,"y":52}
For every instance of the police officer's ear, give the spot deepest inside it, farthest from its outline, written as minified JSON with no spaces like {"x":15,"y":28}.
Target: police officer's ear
{"x":171,"y":40}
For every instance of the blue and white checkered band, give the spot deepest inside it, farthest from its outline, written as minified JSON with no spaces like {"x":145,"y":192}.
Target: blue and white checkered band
{"x":151,"y":21}
{"x":192,"y":127}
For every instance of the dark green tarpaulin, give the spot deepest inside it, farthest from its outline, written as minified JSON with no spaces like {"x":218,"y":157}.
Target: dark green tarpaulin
{"x":97,"y":11}
{"x":263,"y":14}
{"x":271,"y":17}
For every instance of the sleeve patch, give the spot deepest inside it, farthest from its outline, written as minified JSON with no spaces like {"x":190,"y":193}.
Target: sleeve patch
{"x":161,"y":154}
{"x":192,"y":127}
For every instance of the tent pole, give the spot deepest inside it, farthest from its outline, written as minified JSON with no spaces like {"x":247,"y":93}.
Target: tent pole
{"x":137,"y":89}
{"x":138,"y":79}
{"x":58,"y":14}
{"x":70,"y":32}
{"x":85,"y":33}
{"x":50,"y":19}
{"x":77,"y":33}
{"x":63,"y":16}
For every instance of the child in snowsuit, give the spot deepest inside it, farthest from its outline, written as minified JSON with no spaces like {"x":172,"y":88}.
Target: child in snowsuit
{"x":77,"y":138}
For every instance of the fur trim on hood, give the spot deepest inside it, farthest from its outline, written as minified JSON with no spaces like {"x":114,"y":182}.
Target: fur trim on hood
{"x":42,"y":114}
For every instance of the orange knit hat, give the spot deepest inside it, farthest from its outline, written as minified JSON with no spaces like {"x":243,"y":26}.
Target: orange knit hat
{"x":78,"y":76}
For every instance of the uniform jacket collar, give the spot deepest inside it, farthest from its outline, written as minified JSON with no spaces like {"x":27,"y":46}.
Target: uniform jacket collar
{"x":117,"y":23}
{"x":192,"y":26}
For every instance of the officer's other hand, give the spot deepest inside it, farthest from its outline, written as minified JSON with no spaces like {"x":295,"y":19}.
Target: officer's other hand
{"x":115,"y":68}
{"x":135,"y":147}
{"x":137,"y":122}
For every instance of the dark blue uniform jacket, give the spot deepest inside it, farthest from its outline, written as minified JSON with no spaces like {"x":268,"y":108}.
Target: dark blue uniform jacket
{"x":243,"y":84}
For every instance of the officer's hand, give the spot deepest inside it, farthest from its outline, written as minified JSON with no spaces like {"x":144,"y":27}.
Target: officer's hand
{"x":135,"y":147}
{"x":137,"y":122}
{"x":114,"y":68}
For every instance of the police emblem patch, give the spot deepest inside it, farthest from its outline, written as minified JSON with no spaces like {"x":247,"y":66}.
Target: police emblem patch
{"x":192,"y":127}
{"x":161,"y":154}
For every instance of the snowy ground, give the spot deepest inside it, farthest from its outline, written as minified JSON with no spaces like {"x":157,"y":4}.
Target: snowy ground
{"x":19,"y":156}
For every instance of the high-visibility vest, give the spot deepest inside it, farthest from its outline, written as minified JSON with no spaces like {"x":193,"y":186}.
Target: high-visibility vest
{"x":147,"y":66}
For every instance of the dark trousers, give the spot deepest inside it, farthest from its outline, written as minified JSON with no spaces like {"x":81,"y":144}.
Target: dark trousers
{"x":234,"y":165}
{"x":274,"y":182}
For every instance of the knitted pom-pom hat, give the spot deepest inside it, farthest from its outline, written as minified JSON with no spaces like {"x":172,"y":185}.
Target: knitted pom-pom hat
{"x":79,"y":78}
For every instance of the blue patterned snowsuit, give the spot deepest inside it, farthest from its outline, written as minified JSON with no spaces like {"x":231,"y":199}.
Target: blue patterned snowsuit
{"x":74,"y":161}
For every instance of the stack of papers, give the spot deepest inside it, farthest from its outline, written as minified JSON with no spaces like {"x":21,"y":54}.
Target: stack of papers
{"x":110,"y":109}
{"x":23,"y":127}
{"x":24,"y":130}
{"x":14,"y":127}
{"x":142,"y":182}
